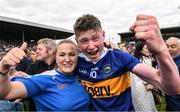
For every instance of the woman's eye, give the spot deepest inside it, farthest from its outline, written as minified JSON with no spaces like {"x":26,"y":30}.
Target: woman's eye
{"x":72,"y":54}
{"x":61,"y":54}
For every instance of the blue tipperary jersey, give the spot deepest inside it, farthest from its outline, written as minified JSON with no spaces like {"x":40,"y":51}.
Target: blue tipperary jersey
{"x":108,"y":80}
{"x":56,"y":92}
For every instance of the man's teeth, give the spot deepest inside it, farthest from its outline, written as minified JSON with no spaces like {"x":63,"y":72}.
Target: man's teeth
{"x":93,"y":53}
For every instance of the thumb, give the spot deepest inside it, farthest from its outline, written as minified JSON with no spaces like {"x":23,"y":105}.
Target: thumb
{"x":23,"y":46}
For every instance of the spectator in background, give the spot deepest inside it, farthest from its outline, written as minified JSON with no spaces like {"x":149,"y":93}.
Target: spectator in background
{"x":45,"y":59}
{"x":60,"y":91}
{"x":109,"y":44}
{"x":173,"y":44}
{"x":142,"y":53}
{"x":33,"y":54}
{"x":122,"y":46}
{"x":131,"y":48}
{"x":142,"y":96}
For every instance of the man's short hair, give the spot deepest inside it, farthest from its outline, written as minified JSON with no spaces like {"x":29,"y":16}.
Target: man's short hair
{"x":85,"y":23}
{"x":50,"y":43}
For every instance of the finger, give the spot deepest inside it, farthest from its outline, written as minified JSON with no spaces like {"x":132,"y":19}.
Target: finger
{"x":142,"y":29}
{"x":146,"y":87}
{"x":13,"y":56}
{"x":145,"y":22}
{"x":12,"y":60}
{"x":23,"y":46}
{"x":141,"y":35}
{"x":16,"y":59}
{"x":144,"y":17}
{"x":132,"y":28}
{"x":149,"y":32}
{"x":17,"y":53}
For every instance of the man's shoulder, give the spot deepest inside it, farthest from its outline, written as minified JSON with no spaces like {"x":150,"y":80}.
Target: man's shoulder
{"x":36,"y":67}
{"x":37,"y":62}
{"x":177,"y":60}
{"x":119,"y":53}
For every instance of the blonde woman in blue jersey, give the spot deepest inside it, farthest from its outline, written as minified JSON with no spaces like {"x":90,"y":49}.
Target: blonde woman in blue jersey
{"x":57,"y":90}
{"x":105,"y":73}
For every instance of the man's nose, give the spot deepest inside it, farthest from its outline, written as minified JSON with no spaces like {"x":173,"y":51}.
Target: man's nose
{"x":91,"y":44}
{"x":37,"y":51}
{"x":169,"y":48}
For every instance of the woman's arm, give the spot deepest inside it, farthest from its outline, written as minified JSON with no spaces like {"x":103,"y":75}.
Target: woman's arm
{"x":8,"y":89}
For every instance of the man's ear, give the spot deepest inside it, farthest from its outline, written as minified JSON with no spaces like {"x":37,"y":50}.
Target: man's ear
{"x":76,"y":41}
{"x":104,"y":34}
{"x":51,"y":51}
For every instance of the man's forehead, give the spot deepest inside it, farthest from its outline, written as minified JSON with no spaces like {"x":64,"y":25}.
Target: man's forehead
{"x":41,"y":46}
{"x":172,"y":41}
{"x":88,"y":33}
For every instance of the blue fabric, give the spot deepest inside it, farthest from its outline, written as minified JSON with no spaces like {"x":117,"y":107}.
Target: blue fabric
{"x":108,"y":80}
{"x":6,"y":105}
{"x":57,"y":93}
{"x":173,"y":102}
{"x":177,"y":61}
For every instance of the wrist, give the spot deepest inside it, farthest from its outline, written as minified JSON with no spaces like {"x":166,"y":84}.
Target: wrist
{"x":4,"y":73}
{"x":4,"y":69}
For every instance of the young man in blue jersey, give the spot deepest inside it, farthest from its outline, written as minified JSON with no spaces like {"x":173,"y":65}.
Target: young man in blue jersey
{"x":105,"y":73}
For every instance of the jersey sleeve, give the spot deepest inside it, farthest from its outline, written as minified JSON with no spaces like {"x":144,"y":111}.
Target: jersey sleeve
{"x":35,"y":84}
{"x":127,"y":60}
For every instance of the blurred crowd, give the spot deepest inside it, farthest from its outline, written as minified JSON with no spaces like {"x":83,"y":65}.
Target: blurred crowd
{"x":5,"y":46}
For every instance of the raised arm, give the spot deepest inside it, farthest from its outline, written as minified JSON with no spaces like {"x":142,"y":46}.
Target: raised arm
{"x":8,"y":89}
{"x":167,"y":76}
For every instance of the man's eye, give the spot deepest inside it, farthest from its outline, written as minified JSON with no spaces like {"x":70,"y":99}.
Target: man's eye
{"x":83,"y":41}
{"x":95,"y":38}
{"x":173,"y":46}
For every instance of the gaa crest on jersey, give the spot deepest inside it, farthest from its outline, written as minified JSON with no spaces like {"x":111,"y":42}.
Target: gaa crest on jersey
{"x":61,"y":86}
{"x":107,"y":69}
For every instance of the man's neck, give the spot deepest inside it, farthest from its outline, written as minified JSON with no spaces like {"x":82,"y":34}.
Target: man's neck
{"x":49,"y":60}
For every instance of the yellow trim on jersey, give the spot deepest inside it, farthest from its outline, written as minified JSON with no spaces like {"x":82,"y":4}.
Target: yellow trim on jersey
{"x":108,"y":88}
